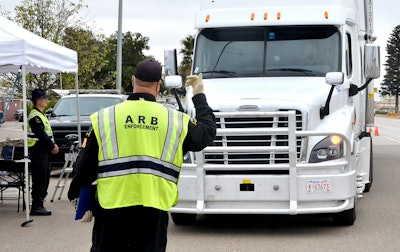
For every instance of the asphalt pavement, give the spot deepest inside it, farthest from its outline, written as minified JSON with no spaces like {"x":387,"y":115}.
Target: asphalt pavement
{"x":58,"y":232}
{"x":11,"y":130}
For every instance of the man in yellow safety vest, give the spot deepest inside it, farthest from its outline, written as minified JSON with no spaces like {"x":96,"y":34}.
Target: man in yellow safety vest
{"x":135,"y":152}
{"x":41,"y":144}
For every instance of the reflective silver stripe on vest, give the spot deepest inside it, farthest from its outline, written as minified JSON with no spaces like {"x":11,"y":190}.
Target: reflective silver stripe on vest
{"x":140,"y":158}
{"x":168,"y":139}
{"x":103,"y":133}
{"x":138,"y":170}
{"x":113,"y":132}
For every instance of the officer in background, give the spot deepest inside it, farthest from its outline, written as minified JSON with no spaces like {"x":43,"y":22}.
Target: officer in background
{"x":135,"y":152}
{"x":41,"y":144}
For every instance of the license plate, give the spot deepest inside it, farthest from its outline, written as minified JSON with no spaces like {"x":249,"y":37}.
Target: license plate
{"x":319,"y":186}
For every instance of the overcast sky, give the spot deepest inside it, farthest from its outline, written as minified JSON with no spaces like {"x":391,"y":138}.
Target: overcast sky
{"x":166,"y":22}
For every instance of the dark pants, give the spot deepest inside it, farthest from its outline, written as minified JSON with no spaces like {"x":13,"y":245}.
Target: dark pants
{"x":134,"y":228}
{"x":40,"y":172}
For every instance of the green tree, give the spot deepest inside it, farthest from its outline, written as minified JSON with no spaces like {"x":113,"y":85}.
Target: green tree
{"x":48,"y":19}
{"x":91,"y":59}
{"x":187,"y":53}
{"x":391,"y":81}
{"x":133,"y":45}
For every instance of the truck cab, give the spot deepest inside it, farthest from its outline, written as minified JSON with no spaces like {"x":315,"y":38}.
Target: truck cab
{"x":291,"y":85}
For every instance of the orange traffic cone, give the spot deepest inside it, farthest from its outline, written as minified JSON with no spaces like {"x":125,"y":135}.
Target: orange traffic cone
{"x":376,"y":132}
{"x":370,"y":130}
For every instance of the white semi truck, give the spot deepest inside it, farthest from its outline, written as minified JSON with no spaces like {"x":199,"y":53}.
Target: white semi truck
{"x":291,"y":85}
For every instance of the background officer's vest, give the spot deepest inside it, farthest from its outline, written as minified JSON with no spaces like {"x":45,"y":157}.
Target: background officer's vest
{"x":140,"y":154}
{"x":32,"y":138}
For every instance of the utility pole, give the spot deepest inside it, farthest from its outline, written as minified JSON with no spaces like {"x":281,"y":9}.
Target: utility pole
{"x":119,"y":48}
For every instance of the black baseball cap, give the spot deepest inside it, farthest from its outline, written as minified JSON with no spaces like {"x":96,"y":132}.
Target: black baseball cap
{"x":38,"y":93}
{"x":148,"y":70}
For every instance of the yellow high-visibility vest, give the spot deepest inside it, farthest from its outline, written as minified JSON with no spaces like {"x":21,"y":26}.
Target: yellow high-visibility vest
{"x":140,"y":154}
{"x":32,"y":138}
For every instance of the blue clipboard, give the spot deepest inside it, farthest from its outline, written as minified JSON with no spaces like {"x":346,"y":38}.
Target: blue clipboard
{"x":86,"y":199}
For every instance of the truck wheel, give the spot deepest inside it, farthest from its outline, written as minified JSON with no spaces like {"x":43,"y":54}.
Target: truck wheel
{"x":371,"y":166}
{"x":183,"y":219}
{"x":345,"y":218}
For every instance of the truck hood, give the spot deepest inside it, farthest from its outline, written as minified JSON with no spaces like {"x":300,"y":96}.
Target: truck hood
{"x":269,"y":93}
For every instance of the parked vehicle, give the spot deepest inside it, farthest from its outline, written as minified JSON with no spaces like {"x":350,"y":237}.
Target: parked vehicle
{"x":2,"y":117}
{"x":64,"y":118}
{"x":19,"y":115}
{"x":291,"y":84}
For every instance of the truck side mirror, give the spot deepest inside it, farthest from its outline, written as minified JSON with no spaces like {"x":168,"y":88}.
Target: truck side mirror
{"x":371,"y":61}
{"x":173,"y":81}
{"x":170,"y":62}
{"x":334,"y":78}
{"x":49,"y":112}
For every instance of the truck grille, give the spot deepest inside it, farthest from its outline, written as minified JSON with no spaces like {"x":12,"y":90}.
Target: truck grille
{"x":256,"y":140}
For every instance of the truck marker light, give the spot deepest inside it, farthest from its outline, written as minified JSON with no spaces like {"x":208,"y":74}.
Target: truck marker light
{"x":326,"y":14}
{"x":246,"y":181}
{"x":335,"y":140}
{"x":252,"y":16}
{"x":207,"y":18}
{"x":265,"y":15}
{"x":278,"y":15}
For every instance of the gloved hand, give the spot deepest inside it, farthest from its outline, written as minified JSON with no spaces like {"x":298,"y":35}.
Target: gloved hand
{"x":87,"y":217}
{"x":196,"y":81}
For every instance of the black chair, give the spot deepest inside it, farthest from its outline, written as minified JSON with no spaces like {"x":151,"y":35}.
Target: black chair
{"x":12,"y":176}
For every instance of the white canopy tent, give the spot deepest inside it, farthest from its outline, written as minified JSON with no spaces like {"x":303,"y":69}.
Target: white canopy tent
{"x":22,"y":48}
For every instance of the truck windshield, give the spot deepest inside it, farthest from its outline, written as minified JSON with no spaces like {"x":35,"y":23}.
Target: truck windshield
{"x":267,"y":51}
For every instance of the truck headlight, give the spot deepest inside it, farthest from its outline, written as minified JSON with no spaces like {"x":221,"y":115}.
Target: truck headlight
{"x":328,"y":148}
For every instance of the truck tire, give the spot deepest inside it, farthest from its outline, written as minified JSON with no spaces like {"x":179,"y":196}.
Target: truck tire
{"x":345,"y":218}
{"x":371,"y":166}
{"x":183,"y":219}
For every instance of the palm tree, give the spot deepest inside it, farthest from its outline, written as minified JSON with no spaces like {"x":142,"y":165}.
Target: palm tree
{"x":187,"y":52}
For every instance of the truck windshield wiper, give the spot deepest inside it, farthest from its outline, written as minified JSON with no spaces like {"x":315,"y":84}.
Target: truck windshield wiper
{"x":228,"y":73}
{"x":300,"y":70}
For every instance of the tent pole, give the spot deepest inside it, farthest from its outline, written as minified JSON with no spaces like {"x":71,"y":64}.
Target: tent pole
{"x":26,"y":157}
{"x":78,"y":110}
